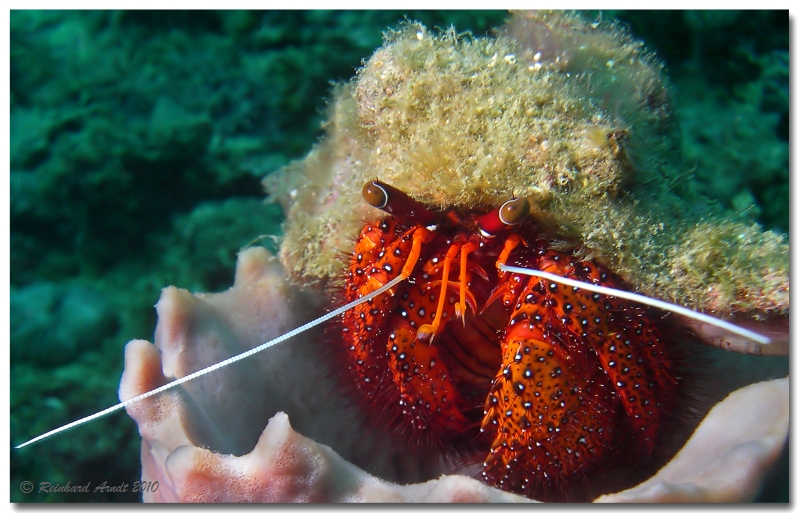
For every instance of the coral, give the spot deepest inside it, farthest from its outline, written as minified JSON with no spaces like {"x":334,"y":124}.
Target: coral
{"x":575,"y":116}
{"x":209,"y":442}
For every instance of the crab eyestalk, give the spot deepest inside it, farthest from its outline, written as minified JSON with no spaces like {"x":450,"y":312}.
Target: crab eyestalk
{"x":510,"y":213}
{"x":397,"y":203}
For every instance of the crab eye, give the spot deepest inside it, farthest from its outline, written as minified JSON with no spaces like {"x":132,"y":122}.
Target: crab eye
{"x":514,"y":211}
{"x":394,"y":201}
{"x":374,"y":194}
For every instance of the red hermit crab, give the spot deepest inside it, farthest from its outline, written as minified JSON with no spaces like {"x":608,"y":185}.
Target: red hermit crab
{"x":548,"y":378}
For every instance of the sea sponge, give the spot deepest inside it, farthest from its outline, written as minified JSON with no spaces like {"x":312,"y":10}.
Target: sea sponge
{"x":574,"y":115}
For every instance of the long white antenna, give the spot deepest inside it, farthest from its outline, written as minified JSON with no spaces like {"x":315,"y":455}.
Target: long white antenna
{"x":657,"y":303}
{"x":216,"y":366}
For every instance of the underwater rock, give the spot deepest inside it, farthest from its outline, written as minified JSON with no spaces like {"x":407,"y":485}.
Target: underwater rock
{"x":208,"y":442}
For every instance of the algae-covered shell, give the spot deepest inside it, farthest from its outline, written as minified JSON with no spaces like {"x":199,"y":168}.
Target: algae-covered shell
{"x":571,"y":114}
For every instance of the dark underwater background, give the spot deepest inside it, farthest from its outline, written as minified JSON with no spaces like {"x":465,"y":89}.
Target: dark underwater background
{"x":139,"y":139}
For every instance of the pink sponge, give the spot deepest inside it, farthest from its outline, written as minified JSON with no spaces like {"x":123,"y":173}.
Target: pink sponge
{"x":207,"y":442}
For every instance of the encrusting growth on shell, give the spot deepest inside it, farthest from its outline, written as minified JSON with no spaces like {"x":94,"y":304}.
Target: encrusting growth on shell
{"x":573,"y":115}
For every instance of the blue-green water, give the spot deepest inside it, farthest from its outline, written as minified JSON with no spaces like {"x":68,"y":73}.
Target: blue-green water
{"x":138,"y":140}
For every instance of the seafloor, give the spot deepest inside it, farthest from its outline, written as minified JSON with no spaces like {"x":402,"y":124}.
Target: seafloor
{"x":139,"y":139}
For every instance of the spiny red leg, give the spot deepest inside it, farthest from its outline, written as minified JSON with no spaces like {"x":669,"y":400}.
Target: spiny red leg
{"x":370,"y":242}
{"x":390,"y":364}
{"x":625,"y":340}
{"x":361,"y":323}
{"x":550,"y":417}
{"x":428,"y":399}
{"x":572,"y":361}
{"x":382,"y":250}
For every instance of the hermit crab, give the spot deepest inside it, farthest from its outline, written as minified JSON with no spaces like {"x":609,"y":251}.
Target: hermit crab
{"x":556,"y":377}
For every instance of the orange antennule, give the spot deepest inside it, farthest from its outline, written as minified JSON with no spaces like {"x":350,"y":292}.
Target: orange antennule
{"x":420,"y":234}
{"x":430,"y":329}
{"x":461,"y":306}
{"x":512,"y":242}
